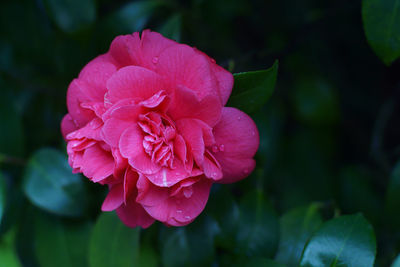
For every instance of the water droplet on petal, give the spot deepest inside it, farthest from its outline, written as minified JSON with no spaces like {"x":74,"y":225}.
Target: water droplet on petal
{"x":253,"y":133}
{"x":246,"y":171}
{"x":187,"y":217}
{"x":178,"y":211}
{"x":215,"y":149}
{"x":221,"y":147}
{"x":155,"y":60}
{"x":213,"y":60}
{"x":239,"y":118}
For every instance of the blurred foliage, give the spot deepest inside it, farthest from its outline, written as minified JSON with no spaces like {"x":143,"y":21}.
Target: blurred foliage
{"x":329,"y":134}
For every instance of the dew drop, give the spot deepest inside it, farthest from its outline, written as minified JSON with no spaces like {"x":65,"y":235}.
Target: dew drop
{"x":239,"y":118}
{"x":187,"y":217}
{"x":215,"y":148}
{"x":214,"y":174}
{"x":246,"y":171}
{"x":155,"y":60}
{"x":178,"y":211}
{"x":221,"y":147}
{"x":213,"y":60}
{"x":253,"y":133}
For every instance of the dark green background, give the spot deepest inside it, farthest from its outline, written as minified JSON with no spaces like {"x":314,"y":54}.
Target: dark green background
{"x":329,"y":134}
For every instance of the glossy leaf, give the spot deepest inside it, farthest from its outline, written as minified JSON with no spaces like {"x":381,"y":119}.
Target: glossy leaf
{"x":258,"y":230}
{"x":344,"y":241}
{"x":50,"y":184}
{"x":296,"y":227}
{"x":252,"y":89}
{"x":174,"y":247}
{"x":382,"y":27}
{"x":59,"y":243}
{"x":72,"y":15}
{"x":113,"y":244}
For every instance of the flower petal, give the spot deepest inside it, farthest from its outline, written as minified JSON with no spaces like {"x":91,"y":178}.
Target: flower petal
{"x":176,"y":210}
{"x":238,"y":135}
{"x":181,"y":65}
{"x":114,"y":198}
{"x":98,"y":164}
{"x":132,"y":214}
{"x":67,"y":125}
{"x":187,"y":105}
{"x":133,"y":82}
{"x":131,"y":147}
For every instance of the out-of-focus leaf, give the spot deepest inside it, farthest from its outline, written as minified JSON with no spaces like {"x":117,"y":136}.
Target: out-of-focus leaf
{"x":225,"y":210}
{"x":174,"y":247}
{"x":382,"y":27}
{"x":60,"y":243}
{"x":262,"y":262}
{"x":396,"y":262}
{"x":148,"y":256}
{"x":50,"y":184}
{"x":2,"y":195}
{"x":258,"y":231}
{"x":296,"y":227}
{"x":131,"y":17}
{"x":25,"y":239}
{"x":344,"y":241}
{"x":172,"y":27}
{"x":72,"y":15}
{"x":252,"y":89}
{"x":11,"y":133}
{"x":8,"y":257}
{"x":357,"y":193}
{"x":315,"y":101}
{"x":193,"y":244}
{"x":112,"y":243}
{"x":393,"y":196}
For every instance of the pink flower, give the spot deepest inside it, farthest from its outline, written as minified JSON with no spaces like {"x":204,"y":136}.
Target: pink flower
{"x":148,"y":119}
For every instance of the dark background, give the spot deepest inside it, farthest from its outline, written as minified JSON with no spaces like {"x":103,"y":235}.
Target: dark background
{"x":329,"y":134}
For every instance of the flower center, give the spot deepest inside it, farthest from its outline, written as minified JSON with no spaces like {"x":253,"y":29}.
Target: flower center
{"x":158,"y":140}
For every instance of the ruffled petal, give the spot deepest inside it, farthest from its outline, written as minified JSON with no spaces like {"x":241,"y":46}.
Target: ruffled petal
{"x":187,"y":105}
{"x":238,"y":135}
{"x":98,"y":164}
{"x":131,"y":147}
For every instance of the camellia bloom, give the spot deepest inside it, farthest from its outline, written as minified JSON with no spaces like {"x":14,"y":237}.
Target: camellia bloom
{"x":148,"y":119}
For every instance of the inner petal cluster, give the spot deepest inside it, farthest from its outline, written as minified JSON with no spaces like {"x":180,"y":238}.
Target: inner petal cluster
{"x":158,"y":141}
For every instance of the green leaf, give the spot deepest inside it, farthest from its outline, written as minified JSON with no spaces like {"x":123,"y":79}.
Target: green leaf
{"x":174,"y":247}
{"x":252,"y":89}
{"x":382,"y":27}
{"x":258,"y":230}
{"x":50,"y":184}
{"x":71,"y":15}
{"x":8,"y":257}
{"x":261,"y":262}
{"x":396,"y":262}
{"x":113,"y":244}
{"x":2,"y":195}
{"x":393,"y":197}
{"x":192,"y":245}
{"x":344,"y":241}
{"x":59,"y":243}
{"x":172,"y":27}
{"x":296,"y":227}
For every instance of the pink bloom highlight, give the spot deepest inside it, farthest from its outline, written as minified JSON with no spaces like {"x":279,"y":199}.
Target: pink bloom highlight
{"x":148,"y":119}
